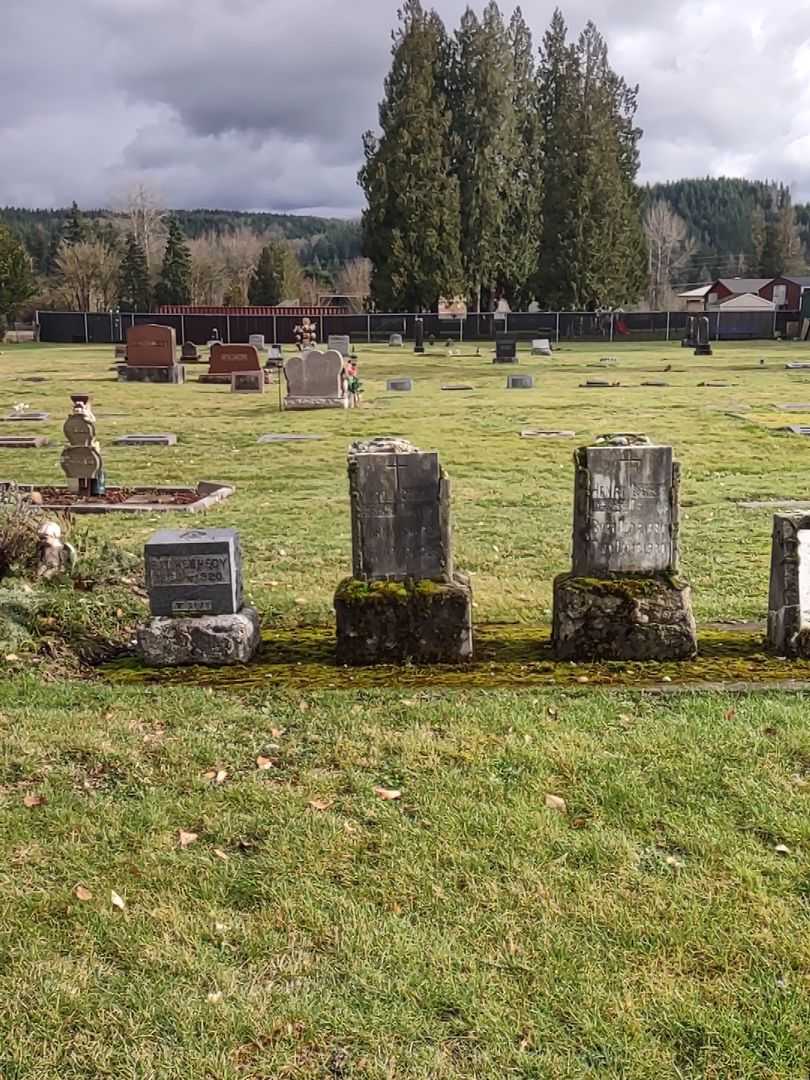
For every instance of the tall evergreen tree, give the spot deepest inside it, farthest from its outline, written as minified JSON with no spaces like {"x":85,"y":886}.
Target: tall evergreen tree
{"x":134,"y":291}
{"x":267,"y":284}
{"x":485,"y":146}
{"x":412,"y":221}
{"x":174,"y":286}
{"x":16,"y":277}
{"x":75,"y":228}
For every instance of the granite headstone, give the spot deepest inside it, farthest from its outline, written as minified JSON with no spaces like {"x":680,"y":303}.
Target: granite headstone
{"x":194,"y":572}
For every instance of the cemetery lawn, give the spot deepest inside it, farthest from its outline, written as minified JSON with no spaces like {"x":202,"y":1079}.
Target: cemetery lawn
{"x":281,"y":918}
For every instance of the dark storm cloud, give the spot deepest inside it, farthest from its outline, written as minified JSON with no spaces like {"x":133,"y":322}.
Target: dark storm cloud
{"x":261,"y":103}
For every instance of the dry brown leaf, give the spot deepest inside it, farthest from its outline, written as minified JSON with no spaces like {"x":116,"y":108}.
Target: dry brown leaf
{"x":117,"y":901}
{"x":82,"y":894}
{"x":730,"y":714}
{"x":12,"y":658}
{"x":264,"y":763}
{"x":187,"y":838}
{"x":303,"y":706}
{"x":211,"y":775}
{"x":34,"y":800}
{"x":321,"y":804}
{"x":220,"y":854}
{"x":387,"y":794}
{"x":215,"y":997}
{"x":220,"y":777}
{"x":554,"y":802}
{"x":277,"y":732}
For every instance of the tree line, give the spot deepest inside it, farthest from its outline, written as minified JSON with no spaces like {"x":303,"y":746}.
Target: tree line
{"x":498,"y":172}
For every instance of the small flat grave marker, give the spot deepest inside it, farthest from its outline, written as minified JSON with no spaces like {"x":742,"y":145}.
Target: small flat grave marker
{"x":167,"y":438}
{"x":798,"y":429}
{"x":24,"y":442}
{"x":281,"y":438}
{"x":597,"y":384}
{"x":796,"y":366}
{"x":655,"y":382}
{"x":546,"y":433}
{"x":457,"y":386}
{"x":794,"y":406}
{"x":519,"y":382}
{"x":399,"y":385}
{"x":33,"y":416}
{"x":716,"y":385}
{"x":247,"y":382}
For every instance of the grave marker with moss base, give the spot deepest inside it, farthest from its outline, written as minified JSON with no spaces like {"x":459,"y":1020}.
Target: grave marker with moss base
{"x":404,"y":602}
{"x":623,"y":599}
{"x":789,"y":604}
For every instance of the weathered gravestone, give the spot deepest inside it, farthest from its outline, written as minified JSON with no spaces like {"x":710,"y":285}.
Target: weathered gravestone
{"x":395,"y":341}
{"x":341,"y":343}
{"x":404,"y":601}
{"x":400,"y":385}
{"x":247,"y":382}
{"x":315,"y":381}
{"x":81,"y":459}
{"x":702,"y":344}
{"x":194,"y":581}
{"x":226,"y":359}
{"x":623,"y":600}
{"x":189,"y":353}
{"x":519,"y":382}
{"x":258,"y":342}
{"x":151,"y":355}
{"x":120,"y":352}
{"x":419,"y":334}
{"x":166,"y":438}
{"x":23,"y":442}
{"x":541,"y":347}
{"x":690,"y":340}
{"x":789,"y":603}
{"x":505,"y":349}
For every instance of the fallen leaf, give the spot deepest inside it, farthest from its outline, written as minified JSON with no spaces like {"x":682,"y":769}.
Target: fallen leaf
{"x":729,"y":714}
{"x":583,"y":679}
{"x":676,"y":864}
{"x":277,"y":732}
{"x":117,"y":901}
{"x":215,"y":997}
{"x":554,"y":802}
{"x":211,"y":775}
{"x":12,"y":658}
{"x":387,"y":794}
{"x":34,"y":800}
{"x":220,"y":777}
{"x":264,"y":763}
{"x":781,"y":849}
{"x":220,"y":854}
{"x":119,"y":613}
{"x":553,"y":712}
{"x":82,"y":893}
{"x":667,"y":678}
{"x":187,"y":838}
{"x":321,"y":804}
{"x":303,"y":706}
{"x":410,"y":703}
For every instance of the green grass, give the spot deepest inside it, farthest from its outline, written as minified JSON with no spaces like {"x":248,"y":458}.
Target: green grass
{"x":464,"y":930}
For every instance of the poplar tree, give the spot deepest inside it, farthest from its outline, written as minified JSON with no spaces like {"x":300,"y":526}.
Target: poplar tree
{"x":174,"y":286}
{"x":267,"y":284}
{"x":134,"y":291}
{"x":412,"y":222}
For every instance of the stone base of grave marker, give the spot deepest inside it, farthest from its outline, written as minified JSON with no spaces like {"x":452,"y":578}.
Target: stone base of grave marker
{"x":703,"y":350}
{"x":167,"y":375}
{"x":789,"y":604}
{"x":398,"y":622}
{"x":623,"y":618}
{"x":300,"y":404}
{"x":210,"y":641}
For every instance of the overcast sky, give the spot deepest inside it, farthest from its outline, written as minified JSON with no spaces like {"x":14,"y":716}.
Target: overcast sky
{"x":260,"y":104}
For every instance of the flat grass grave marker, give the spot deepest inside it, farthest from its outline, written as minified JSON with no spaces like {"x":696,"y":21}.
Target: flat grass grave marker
{"x":23,"y":442}
{"x":519,"y":382}
{"x":166,"y":438}
{"x":797,"y":366}
{"x":399,"y":385}
{"x":794,"y":406}
{"x":546,"y":433}
{"x":282,"y":438}
{"x":457,"y":386}
{"x":404,"y":602}
{"x":23,"y":414}
{"x":798,"y":429}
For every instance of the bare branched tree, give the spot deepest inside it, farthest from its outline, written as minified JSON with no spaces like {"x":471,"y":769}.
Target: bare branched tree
{"x":240,"y":253}
{"x":354,"y":280}
{"x":89,"y":273}
{"x":207,"y":270}
{"x":146,"y":215}
{"x":669,"y":247}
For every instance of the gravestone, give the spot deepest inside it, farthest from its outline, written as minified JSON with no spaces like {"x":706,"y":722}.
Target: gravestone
{"x":505,"y":349}
{"x":597,"y":384}
{"x":282,"y":438}
{"x":541,"y":347}
{"x":400,"y":385}
{"x":395,"y":341}
{"x":798,"y":429}
{"x":623,"y":600}
{"x":81,"y":459}
{"x":189,"y":353}
{"x":276,"y":353}
{"x":404,"y":601}
{"x":457,"y":386}
{"x":690,"y":340}
{"x":151,"y":355}
{"x":419,"y":334}
{"x":258,"y":342}
{"x":226,"y":359}
{"x":26,"y":414}
{"x":247,"y":382}
{"x":654,"y":382}
{"x":315,"y":381}
{"x":702,"y":346}
{"x":341,"y":343}
{"x":120,"y":352}
{"x":797,"y":366}
{"x":167,"y":438}
{"x":794,"y":406}
{"x":194,"y":582}
{"x":23,"y":442}
{"x":789,"y":602}
{"x":519,"y":382}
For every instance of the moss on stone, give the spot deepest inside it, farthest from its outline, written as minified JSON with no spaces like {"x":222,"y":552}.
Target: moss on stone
{"x":626,"y":586}
{"x":356,"y":591}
